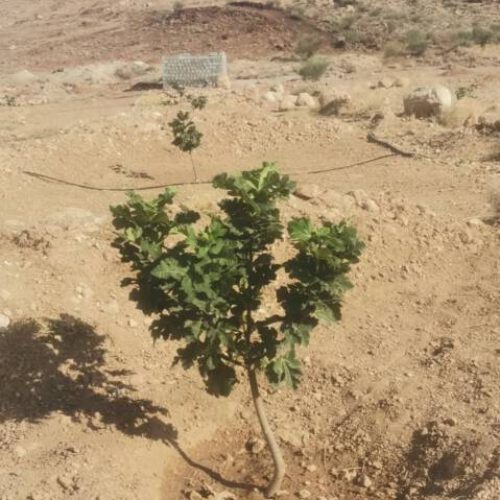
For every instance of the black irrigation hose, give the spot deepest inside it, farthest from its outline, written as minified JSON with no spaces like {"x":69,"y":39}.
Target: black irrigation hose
{"x":49,"y":178}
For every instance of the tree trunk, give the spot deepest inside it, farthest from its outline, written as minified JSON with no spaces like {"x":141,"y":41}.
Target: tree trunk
{"x":279,"y":463}
{"x":194,"y":168}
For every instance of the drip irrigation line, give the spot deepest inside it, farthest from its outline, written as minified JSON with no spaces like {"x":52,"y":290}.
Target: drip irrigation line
{"x":49,"y":178}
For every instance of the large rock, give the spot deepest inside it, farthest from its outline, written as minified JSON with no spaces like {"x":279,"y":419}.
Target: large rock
{"x":333,"y":102}
{"x":425,"y":102}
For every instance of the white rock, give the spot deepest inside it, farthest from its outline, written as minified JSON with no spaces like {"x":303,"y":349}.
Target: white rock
{"x":475,"y":222}
{"x":124,"y":72}
{"x":333,"y":102}
{"x":271,"y":97}
{"x":429,"y":101}
{"x":4,"y":321}
{"x":370,"y":205}
{"x":288,"y":103}
{"x":386,"y":83}
{"x":140,"y":68}
{"x":401,"y":81}
{"x":364,"y":481}
{"x":305,"y":99}
{"x":303,"y":494}
{"x":278,"y":88}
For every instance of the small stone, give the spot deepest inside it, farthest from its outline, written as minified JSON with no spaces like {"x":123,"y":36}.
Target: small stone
{"x":20,"y":451}
{"x":255,"y":445}
{"x":401,"y":81}
{"x":475,"y":222}
{"x":385,"y":83}
{"x":308,"y":191}
{"x":4,"y":322}
{"x":140,"y":68}
{"x":311,"y":468}
{"x":278,"y":88}
{"x":334,"y":102}
{"x":450,"y":421}
{"x":271,"y":97}
{"x":364,"y":481}
{"x":194,"y":495}
{"x":304,"y":99}
{"x":65,"y":482}
{"x":133,"y":323}
{"x":304,"y":494}
{"x":288,"y":103}
{"x":370,"y":205}
{"x":225,"y":495}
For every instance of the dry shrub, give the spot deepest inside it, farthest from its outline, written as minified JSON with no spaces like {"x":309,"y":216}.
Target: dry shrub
{"x":393,"y":49}
{"x":307,"y":46}
{"x":313,"y":68}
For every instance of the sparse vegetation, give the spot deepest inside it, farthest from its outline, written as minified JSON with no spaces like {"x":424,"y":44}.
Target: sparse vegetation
{"x":186,"y":136}
{"x":307,"y":46}
{"x":314,"y":68}
{"x":393,"y":49}
{"x":178,"y":6}
{"x":466,"y":91}
{"x":206,"y":287}
{"x":8,"y":100}
{"x":481,"y":36}
{"x":416,"y":42}
{"x":198,"y":102}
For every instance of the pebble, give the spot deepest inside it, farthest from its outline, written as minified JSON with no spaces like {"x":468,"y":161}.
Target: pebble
{"x":255,"y":445}
{"x":20,"y":451}
{"x":225,"y":495}
{"x":65,"y":482}
{"x":475,"y":222}
{"x":304,"y":494}
{"x":133,"y":323}
{"x":364,"y":481}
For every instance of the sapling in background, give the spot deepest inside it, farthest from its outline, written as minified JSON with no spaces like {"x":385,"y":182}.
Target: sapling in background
{"x":186,"y":136}
{"x":205,"y":285}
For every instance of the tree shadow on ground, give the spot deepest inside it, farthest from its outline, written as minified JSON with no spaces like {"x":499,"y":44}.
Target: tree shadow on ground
{"x":59,"y":366}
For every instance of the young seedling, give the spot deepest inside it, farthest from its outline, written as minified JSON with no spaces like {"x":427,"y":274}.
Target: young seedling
{"x":206,"y":285}
{"x":186,"y":136}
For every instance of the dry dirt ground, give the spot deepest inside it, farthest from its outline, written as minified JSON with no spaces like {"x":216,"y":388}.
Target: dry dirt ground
{"x":399,"y":401}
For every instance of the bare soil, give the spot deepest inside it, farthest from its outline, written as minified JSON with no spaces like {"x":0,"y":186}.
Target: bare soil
{"x":400,"y":400}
